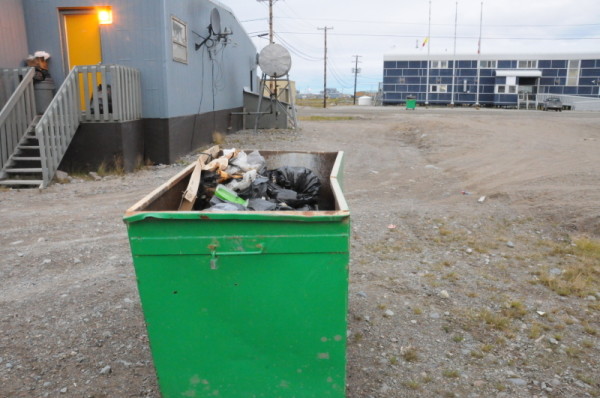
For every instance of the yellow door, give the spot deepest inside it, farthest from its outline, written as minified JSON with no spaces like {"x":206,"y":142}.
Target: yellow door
{"x":82,"y":36}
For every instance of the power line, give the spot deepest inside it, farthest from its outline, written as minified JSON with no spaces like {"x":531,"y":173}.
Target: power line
{"x":441,"y":24}
{"x":449,"y":37}
{"x":296,"y":51}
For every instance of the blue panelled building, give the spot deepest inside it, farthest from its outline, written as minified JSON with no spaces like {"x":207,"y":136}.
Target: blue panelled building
{"x":498,"y":80}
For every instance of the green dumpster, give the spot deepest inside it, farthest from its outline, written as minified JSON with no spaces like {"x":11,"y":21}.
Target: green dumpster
{"x":246,"y":304}
{"x":411,"y":102}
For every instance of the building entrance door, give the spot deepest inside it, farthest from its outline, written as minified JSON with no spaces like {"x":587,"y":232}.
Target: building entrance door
{"x":81,"y":36}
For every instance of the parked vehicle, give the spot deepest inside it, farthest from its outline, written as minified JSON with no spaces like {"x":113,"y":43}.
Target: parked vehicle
{"x":552,"y":103}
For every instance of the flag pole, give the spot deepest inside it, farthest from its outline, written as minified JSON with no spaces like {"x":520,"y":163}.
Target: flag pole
{"x":454,"y":61}
{"x":428,"y":56}
{"x":479,"y":54}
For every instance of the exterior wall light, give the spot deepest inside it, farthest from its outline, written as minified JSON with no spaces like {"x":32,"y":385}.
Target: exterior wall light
{"x":105,"y":16}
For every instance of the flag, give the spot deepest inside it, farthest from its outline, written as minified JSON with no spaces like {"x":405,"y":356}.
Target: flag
{"x":479,"y":47}
{"x":425,"y":41}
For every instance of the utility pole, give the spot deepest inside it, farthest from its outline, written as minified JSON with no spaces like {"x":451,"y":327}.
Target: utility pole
{"x":356,"y":72}
{"x":270,"y":19}
{"x":454,"y":54}
{"x":479,"y":54}
{"x":428,"y":57}
{"x":272,"y":84}
{"x":325,"y":67}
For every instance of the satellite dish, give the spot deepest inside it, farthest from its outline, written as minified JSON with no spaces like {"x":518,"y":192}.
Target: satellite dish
{"x":215,"y":21}
{"x":275,"y":60}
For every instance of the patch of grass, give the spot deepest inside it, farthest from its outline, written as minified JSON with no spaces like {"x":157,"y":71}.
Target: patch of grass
{"x":458,"y":338}
{"x":410,"y":354}
{"x":589,"y":329}
{"x":116,"y":167}
{"x":581,"y":274}
{"x":487,"y":348}
{"x":357,"y":337}
{"x":586,"y":379}
{"x":386,"y":250}
{"x":314,"y":118}
{"x":451,"y":276}
{"x":417,"y":311}
{"x":412,"y":385}
{"x":587,"y":344}
{"x":573,"y":352}
{"x":495,"y":321}
{"x":477,"y":354}
{"x":535,"y":331}
{"x":515,"y":310}
{"x":500,"y":387}
{"x":451,"y":373}
{"x":393,"y":360}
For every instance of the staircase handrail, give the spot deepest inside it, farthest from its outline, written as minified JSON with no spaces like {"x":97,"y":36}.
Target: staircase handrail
{"x":16,"y":116}
{"x":58,"y":125}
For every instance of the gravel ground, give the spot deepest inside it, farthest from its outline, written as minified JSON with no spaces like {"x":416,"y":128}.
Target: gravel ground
{"x":475,"y":260}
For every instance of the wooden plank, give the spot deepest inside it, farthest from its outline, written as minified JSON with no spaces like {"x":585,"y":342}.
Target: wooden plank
{"x":190,"y":194}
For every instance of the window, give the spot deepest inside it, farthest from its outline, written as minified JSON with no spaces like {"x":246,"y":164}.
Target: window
{"x":402,"y":80}
{"x":528,"y":64}
{"x":506,"y":89}
{"x":488,"y":64}
{"x":439,"y":88}
{"x":573,"y":73}
{"x":439,"y":64}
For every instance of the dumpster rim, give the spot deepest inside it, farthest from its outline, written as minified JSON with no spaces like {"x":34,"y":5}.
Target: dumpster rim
{"x":134,"y":214}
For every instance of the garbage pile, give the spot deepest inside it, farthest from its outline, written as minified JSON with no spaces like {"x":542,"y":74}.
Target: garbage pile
{"x":240,"y":181}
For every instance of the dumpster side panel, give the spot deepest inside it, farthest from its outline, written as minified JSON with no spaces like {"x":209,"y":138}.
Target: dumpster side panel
{"x":257,"y":313}
{"x":260,"y":326}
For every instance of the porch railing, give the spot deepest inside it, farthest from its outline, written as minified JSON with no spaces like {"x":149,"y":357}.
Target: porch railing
{"x":10,"y":78}
{"x":97,"y":93}
{"x":110,"y":93}
{"x":18,"y":111}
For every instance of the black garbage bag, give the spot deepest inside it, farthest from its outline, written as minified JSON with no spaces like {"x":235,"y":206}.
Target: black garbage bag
{"x":261,"y":205}
{"x":256,"y":190}
{"x":294,"y":186}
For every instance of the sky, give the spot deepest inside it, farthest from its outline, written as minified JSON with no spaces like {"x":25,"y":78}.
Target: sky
{"x":373,"y":28}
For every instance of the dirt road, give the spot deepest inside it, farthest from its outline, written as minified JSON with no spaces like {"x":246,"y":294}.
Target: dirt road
{"x":450,"y":295}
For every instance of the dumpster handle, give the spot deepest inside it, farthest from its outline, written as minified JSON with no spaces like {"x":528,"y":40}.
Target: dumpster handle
{"x":214,"y":254}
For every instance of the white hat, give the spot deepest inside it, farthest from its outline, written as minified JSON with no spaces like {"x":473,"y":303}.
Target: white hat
{"x":42,"y":54}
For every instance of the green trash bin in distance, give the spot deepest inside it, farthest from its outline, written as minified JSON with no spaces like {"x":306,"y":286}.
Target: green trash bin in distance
{"x":246,"y":304}
{"x":411,"y":102}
